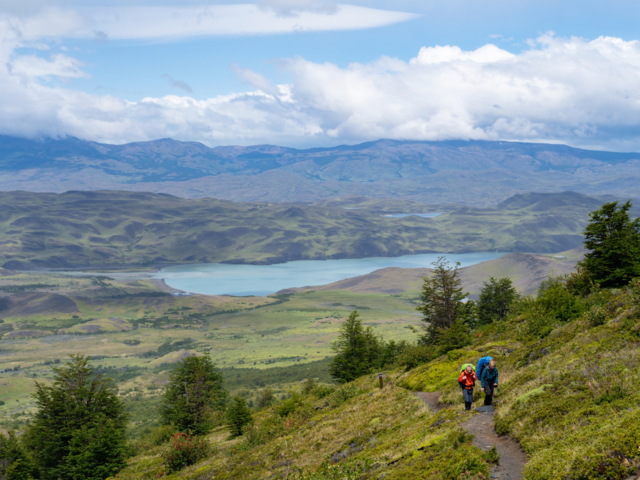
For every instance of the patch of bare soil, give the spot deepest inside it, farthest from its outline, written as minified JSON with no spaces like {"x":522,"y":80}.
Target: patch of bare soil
{"x":481,"y":425}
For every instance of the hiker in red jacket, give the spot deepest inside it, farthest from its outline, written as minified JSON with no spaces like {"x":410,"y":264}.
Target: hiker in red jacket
{"x":468,"y":380}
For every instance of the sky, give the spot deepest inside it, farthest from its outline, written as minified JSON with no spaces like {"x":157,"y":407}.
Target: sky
{"x":306,"y":73}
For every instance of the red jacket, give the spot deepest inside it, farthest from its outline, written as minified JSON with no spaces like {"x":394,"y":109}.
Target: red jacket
{"x":468,"y":379}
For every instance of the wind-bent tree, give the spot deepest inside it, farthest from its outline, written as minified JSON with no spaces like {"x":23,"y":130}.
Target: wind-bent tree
{"x":613,"y":241}
{"x":496,"y":298}
{"x":79,"y":430}
{"x":442,"y":300}
{"x":358,"y":351}
{"x":194,"y":393}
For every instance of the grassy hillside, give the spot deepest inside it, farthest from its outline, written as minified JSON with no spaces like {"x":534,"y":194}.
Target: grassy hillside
{"x":569,"y":398}
{"x":121,"y":228}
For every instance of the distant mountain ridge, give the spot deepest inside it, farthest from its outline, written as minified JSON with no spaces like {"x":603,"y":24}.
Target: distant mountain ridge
{"x":472,"y":172}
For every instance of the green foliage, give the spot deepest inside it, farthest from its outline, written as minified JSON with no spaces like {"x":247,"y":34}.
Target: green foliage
{"x":185,"y":450}
{"x":15,"y":464}
{"x":194,"y":394}
{"x":452,"y":338}
{"x":441,"y":300}
{"x":496,"y":298}
{"x":613,"y":241}
{"x":290,"y":405}
{"x":358,"y":351}
{"x":238,"y":416}
{"x":78,"y":431}
{"x":556,"y":300}
{"x":266,"y":398}
{"x":415,"y":355}
{"x":344,"y":394}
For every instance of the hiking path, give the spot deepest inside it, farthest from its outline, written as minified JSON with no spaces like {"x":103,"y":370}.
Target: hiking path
{"x":481,"y":425}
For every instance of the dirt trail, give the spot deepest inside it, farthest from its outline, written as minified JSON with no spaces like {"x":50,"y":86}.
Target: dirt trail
{"x":512,"y":458}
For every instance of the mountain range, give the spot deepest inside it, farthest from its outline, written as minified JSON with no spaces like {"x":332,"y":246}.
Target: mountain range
{"x":477,"y":173}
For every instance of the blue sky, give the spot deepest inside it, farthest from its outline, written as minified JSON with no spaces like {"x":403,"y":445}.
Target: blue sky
{"x":555,"y":71}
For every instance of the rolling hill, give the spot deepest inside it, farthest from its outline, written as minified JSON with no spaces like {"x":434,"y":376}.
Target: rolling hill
{"x":470,"y":172}
{"x":526,"y":270}
{"x":126,"y":228}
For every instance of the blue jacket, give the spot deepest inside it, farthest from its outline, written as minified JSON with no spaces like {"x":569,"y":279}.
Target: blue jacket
{"x":483,"y":362}
{"x":489,"y":376}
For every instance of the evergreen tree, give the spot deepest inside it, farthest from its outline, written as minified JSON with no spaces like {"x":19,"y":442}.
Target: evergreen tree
{"x":79,"y":430}
{"x":613,"y":241}
{"x":452,"y":338}
{"x":195,"y":391}
{"x":442,"y":300}
{"x":358,"y":351}
{"x":496,"y":298}
{"x":15,"y":464}
{"x":239,"y":416}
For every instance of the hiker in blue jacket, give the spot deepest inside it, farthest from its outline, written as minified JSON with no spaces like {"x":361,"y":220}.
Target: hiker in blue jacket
{"x":482,"y":364}
{"x":489,"y":381}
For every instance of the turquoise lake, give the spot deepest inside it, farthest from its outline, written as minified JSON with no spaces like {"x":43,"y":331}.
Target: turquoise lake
{"x":239,"y":280}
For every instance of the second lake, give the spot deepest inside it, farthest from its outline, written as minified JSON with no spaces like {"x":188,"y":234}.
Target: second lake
{"x":262,"y":280}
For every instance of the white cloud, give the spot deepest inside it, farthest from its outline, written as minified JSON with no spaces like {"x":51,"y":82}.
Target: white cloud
{"x":293,"y":8}
{"x":272,"y":17}
{"x":256,"y":80}
{"x":560,"y":90}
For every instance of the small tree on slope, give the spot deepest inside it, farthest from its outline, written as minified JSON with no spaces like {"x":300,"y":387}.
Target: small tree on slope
{"x":442,"y":300}
{"x":613,"y":241}
{"x":79,"y":431}
{"x":194,"y":393}
{"x":357,"y":351}
{"x":496,"y":298}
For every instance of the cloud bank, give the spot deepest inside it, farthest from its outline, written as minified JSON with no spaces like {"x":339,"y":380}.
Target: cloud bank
{"x":558,"y":90}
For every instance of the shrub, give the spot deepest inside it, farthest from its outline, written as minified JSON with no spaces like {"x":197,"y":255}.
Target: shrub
{"x":183,"y":451}
{"x":289,"y":405}
{"x":266,"y":398}
{"x":343,"y":394}
{"x":415,"y":355}
{"x":321,"y":391}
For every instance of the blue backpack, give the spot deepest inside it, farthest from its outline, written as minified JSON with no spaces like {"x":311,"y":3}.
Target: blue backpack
{"x":483,"y":362}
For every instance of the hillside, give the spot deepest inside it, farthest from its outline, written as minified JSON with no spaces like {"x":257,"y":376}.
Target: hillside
{"x":125,"y":228}
{"x":526,"y":270}
{"x":567,"y":398}
{"x":473,"y":172}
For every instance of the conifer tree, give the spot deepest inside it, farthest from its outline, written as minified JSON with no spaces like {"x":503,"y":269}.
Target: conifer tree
{"x":442,"y":300}
{"x":79,"y":430}
{"x":238,"y":416}
{"x":496,"y":298}
{"x":358,"y":351}
{"x":194,"y":393}
{"x":613,"y":241}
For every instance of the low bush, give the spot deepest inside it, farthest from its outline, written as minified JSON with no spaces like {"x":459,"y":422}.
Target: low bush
{"x":184,"y":450}
{"x":415,"y":355}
